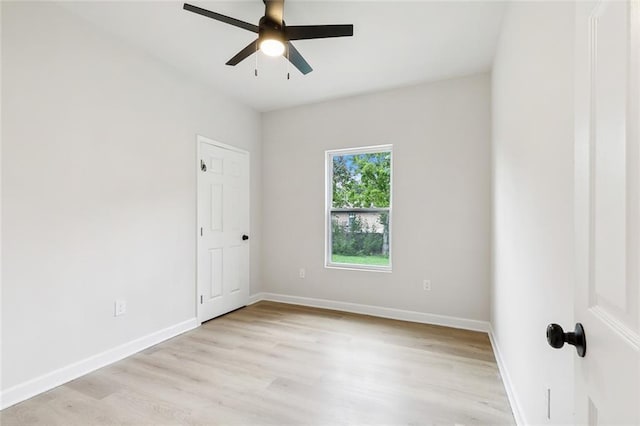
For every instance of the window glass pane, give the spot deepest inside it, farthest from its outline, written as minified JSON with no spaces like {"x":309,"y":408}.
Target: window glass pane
{"x":360,"y":238}
{"x":362,"y":180}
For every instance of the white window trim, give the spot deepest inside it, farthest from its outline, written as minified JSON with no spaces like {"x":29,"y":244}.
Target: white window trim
{"x":328,"y":167}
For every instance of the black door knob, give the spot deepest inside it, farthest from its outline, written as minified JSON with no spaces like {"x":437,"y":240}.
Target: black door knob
{"x":556,"y":337}
{"x":245,"y":237}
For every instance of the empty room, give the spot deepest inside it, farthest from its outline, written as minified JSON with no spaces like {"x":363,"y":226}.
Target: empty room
{"x":317,"y":213}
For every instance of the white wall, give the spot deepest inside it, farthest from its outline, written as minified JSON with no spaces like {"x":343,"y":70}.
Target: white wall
{"x":98,"y":189}
{"x":533,"y":199}
{"x":441,"y":199}
{"x":0,"y":204}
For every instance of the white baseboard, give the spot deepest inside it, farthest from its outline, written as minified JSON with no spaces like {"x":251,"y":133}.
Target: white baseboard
{"x":377,"y":311}
{"x":254,"y":298}
{"x":506,"y":380}
{"x":63,"y":375}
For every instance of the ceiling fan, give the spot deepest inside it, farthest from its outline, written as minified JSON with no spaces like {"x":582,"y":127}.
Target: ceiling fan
{"x":274,"y":36}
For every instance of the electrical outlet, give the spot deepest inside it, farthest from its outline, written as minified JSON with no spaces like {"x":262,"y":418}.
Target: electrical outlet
{"x":426,"y":285}
{"x":302,"y":273}
{"x":120,"y":308}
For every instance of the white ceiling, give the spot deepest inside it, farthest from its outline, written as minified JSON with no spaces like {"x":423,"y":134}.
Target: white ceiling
{"x":394,"y":44}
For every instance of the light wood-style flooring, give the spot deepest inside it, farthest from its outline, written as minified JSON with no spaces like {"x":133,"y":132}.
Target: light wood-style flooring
{"x":278,"y":364}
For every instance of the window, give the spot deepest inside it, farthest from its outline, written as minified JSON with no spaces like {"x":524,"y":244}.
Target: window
{"x":358,"y":213}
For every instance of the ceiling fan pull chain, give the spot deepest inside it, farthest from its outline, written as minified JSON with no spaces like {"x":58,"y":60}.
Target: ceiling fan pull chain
{"x":255,"y":71}
{"x":288,"y":65}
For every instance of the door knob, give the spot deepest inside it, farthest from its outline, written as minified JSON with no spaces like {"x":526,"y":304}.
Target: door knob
{"x":556,"y":337}
{"x":245,"y":237}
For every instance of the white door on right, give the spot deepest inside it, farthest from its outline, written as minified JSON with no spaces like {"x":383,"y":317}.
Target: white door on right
{"x":607,"y":190}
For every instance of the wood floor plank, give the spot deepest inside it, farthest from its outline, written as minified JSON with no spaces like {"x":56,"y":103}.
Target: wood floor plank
{"x":276,"y":364}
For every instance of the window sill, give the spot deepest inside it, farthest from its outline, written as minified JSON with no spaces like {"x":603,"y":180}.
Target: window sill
{"x":353,"y":267}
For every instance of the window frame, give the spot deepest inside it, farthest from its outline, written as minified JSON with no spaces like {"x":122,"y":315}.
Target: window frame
{"x":329,"y":155}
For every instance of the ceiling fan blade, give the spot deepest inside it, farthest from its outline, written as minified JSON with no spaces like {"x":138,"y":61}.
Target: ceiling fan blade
{"x":221,"y":18}
{"x":306,"y":32}
{"x":244,"y":53}
{"x":274,"y":10}
{"x":297,"y":60}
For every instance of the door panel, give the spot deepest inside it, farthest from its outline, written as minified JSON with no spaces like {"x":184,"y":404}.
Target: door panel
{"x":236,"y":203}
{"x":215,"y":272}
{"x":607,"y":211}
{"x":234,"y":253}
{"x":609,"y":52}
{"x":223,"y":218}
{"x":216,"y":207}
{"x":216,"y":165}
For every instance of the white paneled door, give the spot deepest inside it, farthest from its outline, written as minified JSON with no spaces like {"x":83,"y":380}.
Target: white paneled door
{"x":608,"y":211}
{"x":223,"y":229}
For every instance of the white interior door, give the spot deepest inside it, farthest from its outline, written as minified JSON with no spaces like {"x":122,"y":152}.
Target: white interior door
{"x":608,"y":211}
{"x":223,"y":229}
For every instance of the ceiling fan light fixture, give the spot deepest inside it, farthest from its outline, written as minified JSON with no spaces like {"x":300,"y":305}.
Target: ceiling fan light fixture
{"x":272,"y":47}
{"x":274,"y":37}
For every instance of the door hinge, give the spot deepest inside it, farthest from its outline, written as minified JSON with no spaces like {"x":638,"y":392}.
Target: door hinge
{"x":201,"y":299}
{"x":203,"y":166}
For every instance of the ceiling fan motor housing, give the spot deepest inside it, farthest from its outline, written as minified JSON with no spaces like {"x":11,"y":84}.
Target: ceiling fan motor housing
{"x":270,"y":30}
